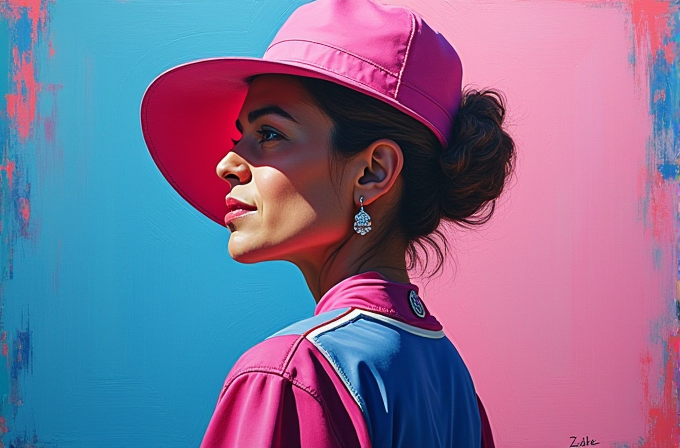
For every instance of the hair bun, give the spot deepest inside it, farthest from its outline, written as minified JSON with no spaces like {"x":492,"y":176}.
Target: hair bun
{"x":478,"y":161}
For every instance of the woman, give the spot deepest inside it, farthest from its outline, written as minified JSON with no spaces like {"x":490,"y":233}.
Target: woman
{"x":346,"y":145}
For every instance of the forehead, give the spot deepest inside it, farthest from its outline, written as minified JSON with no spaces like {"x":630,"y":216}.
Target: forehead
{"x":279,"y":90}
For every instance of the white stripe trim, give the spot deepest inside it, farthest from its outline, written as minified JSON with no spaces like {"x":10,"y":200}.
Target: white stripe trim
{"x":388,"y":320}
{"x":406,"y":327}
{"x":334,"y":324}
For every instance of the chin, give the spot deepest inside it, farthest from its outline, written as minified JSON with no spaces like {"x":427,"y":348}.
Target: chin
{"x":245,"y":258}
{"x":245,"y":255}
{"x":242,"y":256}
{"x":253,"y":248}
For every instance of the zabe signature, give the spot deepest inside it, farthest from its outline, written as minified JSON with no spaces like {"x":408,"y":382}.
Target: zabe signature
{"x":585,"y":441}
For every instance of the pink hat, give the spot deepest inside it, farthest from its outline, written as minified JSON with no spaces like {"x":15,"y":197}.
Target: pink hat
{"x":189,"y":112}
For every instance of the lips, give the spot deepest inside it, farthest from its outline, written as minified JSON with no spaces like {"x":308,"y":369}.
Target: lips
{"x":236,"y":209}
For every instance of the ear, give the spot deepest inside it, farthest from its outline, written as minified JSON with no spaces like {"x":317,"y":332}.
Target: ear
{"x":377,"y":169}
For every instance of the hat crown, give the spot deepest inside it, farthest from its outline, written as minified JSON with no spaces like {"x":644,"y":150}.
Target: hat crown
{"x":379,"y":34}
{"x":385,"y":49}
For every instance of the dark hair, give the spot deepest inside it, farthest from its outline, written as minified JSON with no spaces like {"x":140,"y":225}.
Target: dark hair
{"x":458,"y":184}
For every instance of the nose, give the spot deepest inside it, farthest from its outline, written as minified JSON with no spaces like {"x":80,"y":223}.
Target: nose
{"x":234,"y":169}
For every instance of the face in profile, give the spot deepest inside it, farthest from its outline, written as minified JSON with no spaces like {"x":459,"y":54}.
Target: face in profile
{"x":285,"y":202}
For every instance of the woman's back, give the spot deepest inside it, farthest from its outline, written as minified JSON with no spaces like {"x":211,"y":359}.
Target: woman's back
{"x":378,"y":366}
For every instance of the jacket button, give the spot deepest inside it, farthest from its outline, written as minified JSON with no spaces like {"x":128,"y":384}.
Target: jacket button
{"x":416,"y":304}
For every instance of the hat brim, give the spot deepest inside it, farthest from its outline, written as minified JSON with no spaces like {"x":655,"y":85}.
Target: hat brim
{"x":188,"y":116}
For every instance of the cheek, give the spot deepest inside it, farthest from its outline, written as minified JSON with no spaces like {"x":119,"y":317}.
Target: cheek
{"x":300,"y":200}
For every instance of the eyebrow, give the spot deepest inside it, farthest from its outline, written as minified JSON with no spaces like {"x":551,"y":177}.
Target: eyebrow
{"x":267,"y":110}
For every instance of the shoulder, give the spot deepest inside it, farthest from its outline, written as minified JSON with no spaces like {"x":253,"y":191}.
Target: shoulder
{"x":285,"y":352}
{"x":281,"y":383}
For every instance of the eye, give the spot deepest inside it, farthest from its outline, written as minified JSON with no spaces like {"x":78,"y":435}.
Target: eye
{"x":268,"y":135}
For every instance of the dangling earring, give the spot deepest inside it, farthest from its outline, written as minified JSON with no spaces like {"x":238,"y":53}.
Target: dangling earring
{"x":362,"y":222}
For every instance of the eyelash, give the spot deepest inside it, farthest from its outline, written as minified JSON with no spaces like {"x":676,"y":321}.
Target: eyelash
{"x":264,"y":132}
{"x":277,"y":136}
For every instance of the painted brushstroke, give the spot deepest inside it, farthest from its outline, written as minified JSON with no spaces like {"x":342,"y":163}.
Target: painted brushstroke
{"x":22,"y":354}
{"x":662,"y":428}
{"x":656,"y":25}
{"x":656,"y":30}
{"x":28,"y":19}
{"x":21,"y":134}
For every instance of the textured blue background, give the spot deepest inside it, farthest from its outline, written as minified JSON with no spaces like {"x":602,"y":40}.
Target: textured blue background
{"x":136,"y":310}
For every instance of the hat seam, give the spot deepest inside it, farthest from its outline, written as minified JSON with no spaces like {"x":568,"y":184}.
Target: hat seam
{"x":329,"y":70}
{"x":368,"y":61}
{"x":426,"y":95}
{"x":408,"y":48}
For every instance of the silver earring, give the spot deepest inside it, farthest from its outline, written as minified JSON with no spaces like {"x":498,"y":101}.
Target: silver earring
{"x":362,"y":221}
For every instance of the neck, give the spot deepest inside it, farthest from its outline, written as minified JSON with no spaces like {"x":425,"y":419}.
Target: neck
{"x":327,"y":270}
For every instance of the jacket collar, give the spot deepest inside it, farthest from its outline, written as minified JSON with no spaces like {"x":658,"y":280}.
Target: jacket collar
{"x":371,"y":291}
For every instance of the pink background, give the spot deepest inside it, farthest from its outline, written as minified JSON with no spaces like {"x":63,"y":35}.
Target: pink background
{"x":561,"y":303}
